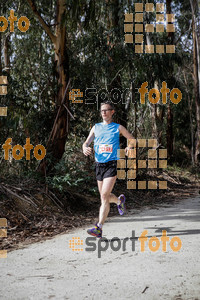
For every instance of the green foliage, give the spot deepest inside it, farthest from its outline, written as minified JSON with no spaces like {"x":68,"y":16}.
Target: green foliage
{"x":67,"y":180}
{"x":97,"y":58}
{"x":73,"y":170}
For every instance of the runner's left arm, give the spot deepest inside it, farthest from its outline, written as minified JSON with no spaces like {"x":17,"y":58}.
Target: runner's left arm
{"x":127,"y":135}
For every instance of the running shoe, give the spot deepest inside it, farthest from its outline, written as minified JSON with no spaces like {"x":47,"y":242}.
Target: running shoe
{"x":121,"y":207}
{"x":96,"y":231}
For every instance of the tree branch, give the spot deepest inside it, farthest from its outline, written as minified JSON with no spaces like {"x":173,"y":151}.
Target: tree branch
{"x":42,"y":22}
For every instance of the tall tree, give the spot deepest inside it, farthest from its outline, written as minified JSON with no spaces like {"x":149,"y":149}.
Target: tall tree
{"x":58,"y":39}
{"x":194,"y":8}
{"x":170,"y":135}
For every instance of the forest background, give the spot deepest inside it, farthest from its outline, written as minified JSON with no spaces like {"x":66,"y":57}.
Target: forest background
{"x":80,"y":45}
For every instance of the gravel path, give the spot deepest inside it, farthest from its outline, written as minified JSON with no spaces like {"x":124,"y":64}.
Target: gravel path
{"x":52,"y":270}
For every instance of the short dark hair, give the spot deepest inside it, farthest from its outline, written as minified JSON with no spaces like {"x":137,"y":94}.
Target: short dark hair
{"x":108,"y":102}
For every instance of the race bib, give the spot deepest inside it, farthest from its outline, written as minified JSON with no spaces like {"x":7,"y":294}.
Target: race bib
{"x":103,"y":148}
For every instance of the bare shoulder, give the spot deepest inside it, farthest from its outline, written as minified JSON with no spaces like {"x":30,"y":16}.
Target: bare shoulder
{"x":92,"y":130}
{"x":121,"y":128}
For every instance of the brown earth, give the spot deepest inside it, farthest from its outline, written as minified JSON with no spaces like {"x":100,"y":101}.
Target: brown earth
{"x":34,"y":214}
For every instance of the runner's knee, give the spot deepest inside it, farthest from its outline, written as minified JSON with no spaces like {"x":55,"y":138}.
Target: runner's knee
{"x":105,"y":197}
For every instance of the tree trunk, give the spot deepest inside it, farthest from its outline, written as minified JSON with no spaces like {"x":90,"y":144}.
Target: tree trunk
{"x":170,"y":136}
{"x":191,"y":123}
{"x":196,"y":82}
{"x":6,"y":55}
{"x":56,"y":145}
{"x":169,"y":110}
{"x":154,"y":115}
{"x":61,"y":59}
{"x":0,"y":56}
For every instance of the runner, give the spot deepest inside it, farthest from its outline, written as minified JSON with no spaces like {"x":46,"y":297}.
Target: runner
{"x":106,"y":142}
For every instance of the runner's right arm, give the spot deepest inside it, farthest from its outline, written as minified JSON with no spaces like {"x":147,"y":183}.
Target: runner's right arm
{"x":86,"y":149}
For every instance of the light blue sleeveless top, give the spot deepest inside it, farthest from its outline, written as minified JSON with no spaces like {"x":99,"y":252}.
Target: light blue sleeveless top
{"x":106,"y":142}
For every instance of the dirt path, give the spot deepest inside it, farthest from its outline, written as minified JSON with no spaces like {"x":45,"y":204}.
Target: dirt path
{"x":51,"y":270}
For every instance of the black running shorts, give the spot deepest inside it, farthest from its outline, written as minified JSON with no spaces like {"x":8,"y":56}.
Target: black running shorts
{"x":105,"y":170}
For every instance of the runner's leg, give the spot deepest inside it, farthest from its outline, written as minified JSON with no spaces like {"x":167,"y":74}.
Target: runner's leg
{"x":107,"y":186}
{"x":99,"y":183}
{"x":112,"y":198}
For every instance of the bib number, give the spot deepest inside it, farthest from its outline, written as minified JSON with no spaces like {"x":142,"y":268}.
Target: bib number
{"x":105,"y":148}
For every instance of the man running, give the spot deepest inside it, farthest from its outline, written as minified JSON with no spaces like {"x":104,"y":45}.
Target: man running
{"x":106,"y":142}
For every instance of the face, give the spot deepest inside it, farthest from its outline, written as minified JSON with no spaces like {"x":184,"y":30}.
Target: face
{"x":106,"y":112}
